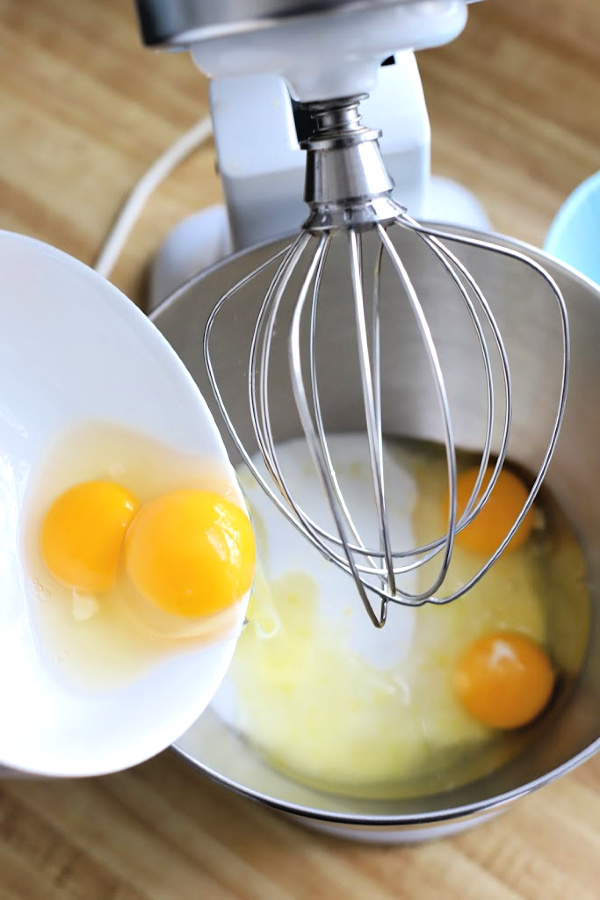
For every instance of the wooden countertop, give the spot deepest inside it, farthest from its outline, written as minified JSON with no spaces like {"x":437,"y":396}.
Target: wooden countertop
{"x":84,"y":109}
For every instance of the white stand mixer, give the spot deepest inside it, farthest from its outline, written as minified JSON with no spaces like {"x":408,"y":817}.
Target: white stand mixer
{"x":258,"y":58}
{"x":336,"y":329}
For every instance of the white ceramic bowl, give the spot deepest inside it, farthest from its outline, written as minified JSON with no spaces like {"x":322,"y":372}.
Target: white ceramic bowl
{"x":73,"y":348}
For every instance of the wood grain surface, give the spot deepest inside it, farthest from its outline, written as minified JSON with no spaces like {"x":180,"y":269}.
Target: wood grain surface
{"x":84,"y":109}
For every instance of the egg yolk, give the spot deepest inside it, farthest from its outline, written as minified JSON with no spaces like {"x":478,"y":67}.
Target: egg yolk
{"x":491,"y":525}
{"x":191,"y":552}
{"x":504,"y":680}
{"x":83,"y":532}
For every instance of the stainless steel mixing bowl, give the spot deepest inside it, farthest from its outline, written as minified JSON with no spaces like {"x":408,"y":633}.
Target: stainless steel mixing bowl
{"x":570,"y":733}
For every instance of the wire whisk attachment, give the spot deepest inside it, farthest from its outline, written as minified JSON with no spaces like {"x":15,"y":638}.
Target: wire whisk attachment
{"x":353,"y":215}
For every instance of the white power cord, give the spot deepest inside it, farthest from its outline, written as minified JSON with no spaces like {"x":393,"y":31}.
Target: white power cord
{"x":147,"y":184}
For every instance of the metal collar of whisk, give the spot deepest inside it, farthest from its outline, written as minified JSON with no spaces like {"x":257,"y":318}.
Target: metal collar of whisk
{"x":347,"y":184}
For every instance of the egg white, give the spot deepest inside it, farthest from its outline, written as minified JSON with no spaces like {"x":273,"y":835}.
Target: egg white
{"x":321,"y":692}
{"x":105,"y":641}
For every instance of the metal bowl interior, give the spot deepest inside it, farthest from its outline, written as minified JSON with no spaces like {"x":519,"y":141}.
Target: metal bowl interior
{"x":570,"y":733}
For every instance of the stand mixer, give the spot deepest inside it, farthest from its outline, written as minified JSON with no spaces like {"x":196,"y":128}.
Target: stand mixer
{"x":328,"y":56}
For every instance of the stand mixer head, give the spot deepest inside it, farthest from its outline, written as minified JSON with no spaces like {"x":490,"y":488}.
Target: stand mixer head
{"x":321,"y":48}
{"x":348,"y":192}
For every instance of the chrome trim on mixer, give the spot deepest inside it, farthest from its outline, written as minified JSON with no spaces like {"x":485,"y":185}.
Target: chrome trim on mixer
{"x":179,"y":23}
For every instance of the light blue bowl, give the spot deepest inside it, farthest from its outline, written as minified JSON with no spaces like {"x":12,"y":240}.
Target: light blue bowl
{"x":574,"y":236}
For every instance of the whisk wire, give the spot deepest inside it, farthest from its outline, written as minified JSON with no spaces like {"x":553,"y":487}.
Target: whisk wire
{"x":456,"y":271}
{"x":318,"y":415}
{"x":236,"y":290}
{"x":315,"y":447}
{"x":373,"y":421}
{"x":442,"y":396}
{"x":376,"y":372}
{"x":260,"y":353}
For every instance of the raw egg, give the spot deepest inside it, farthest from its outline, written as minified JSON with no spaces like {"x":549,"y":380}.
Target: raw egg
{"x":92,"y":623}
{"x":191,"y":553}
{"x":504,"y":680}
{"x":491,"y":525}
{"x":82,"y":534}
